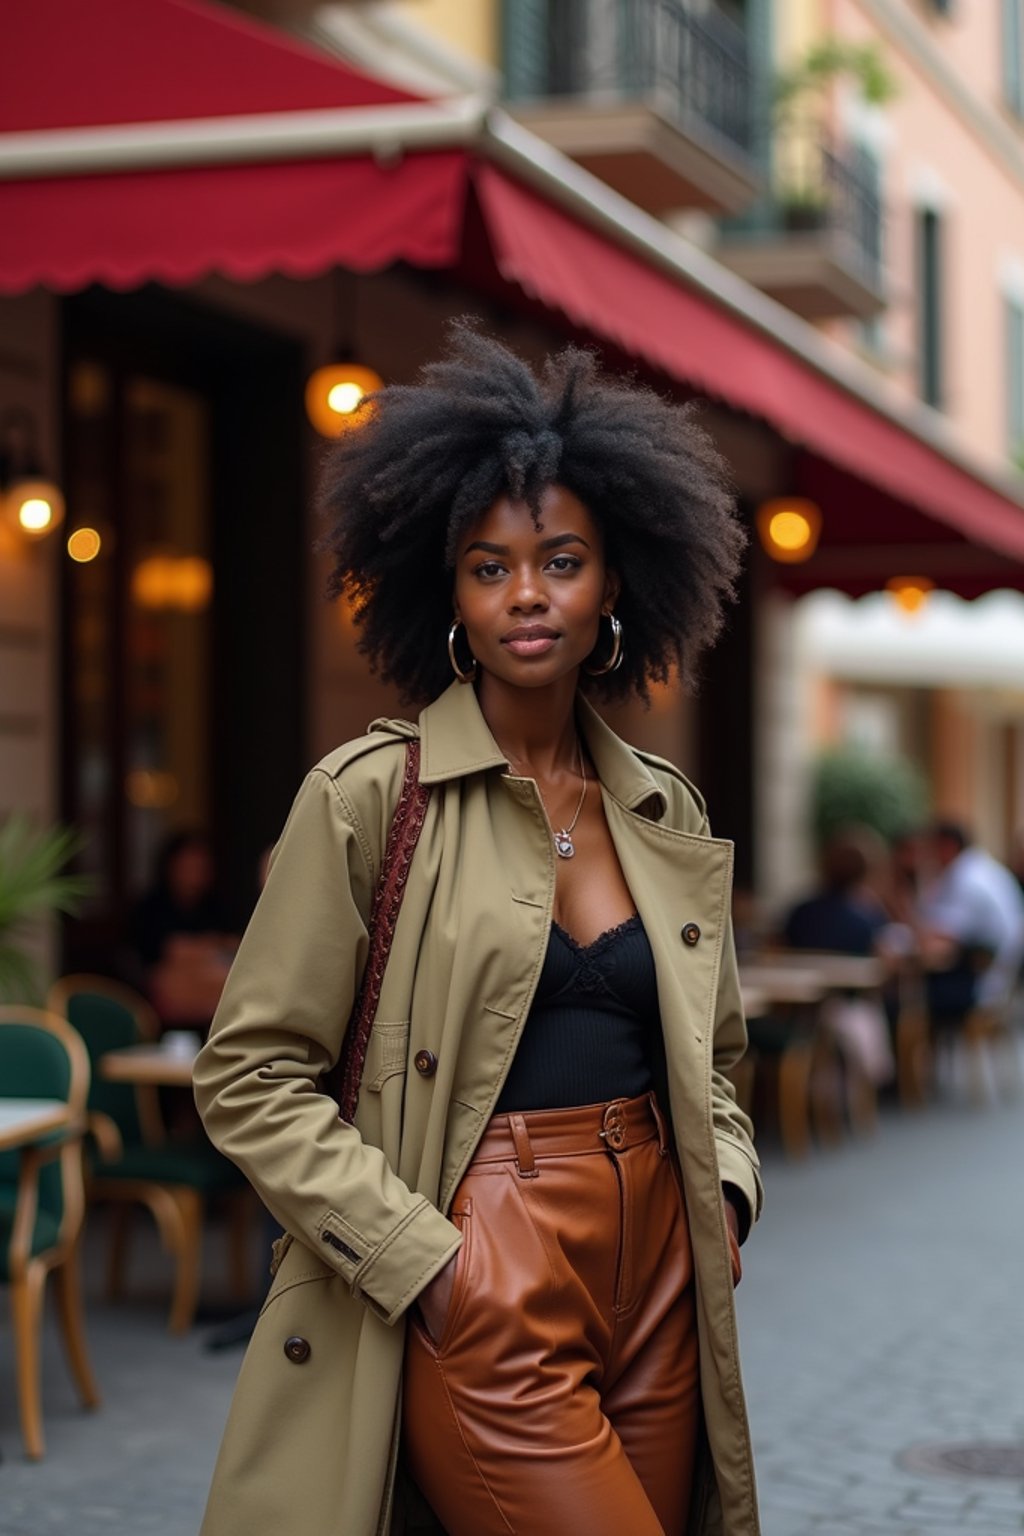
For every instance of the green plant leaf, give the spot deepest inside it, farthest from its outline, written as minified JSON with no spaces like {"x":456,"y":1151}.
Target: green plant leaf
{"x":19,"y":979}
{"x":31,"y":863}
{"x":851,"y":787}
{"x":828,"y":60}
{"x":33,"y":884}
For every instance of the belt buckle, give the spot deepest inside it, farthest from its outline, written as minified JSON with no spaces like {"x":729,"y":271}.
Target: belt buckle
{"x":614,"y":1129}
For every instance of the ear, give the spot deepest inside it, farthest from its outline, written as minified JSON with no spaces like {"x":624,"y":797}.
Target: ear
{"x":612,"y":589}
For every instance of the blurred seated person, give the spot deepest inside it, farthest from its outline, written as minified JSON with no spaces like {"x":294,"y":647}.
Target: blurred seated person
{"x":844,"y":915}
{"x":970,"y":927}
{"x":179,"y":930}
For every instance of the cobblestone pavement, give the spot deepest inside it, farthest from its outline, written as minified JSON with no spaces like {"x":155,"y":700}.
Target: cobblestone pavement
{"x":880,"y":1309}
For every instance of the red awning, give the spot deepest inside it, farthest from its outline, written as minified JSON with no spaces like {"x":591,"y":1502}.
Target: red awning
{"x":108,"y":62}
{"x":613,"y":293}
{"x":136,"y":62}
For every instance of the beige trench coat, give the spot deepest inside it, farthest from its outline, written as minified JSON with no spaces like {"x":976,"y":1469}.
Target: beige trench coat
{"x":311,"y":1443}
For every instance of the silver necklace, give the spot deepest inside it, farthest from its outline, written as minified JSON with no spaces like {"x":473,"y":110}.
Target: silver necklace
{"x":564,"y":846}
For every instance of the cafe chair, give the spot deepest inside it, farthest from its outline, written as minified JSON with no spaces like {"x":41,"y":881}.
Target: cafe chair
{"x":134,"y":1162}
{"x":42,"y":1203}
{"x":990,"y":1032}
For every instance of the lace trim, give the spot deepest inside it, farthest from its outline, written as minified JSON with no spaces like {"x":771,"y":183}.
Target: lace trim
{"x":600,"y":944}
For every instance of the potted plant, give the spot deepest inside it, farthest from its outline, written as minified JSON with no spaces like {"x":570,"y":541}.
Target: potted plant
{"x":800,"y":90}
{"x":798,"y":100}
{"x":33,"y":885}
{"x":802,"y":207}
{"x":853,"y":787}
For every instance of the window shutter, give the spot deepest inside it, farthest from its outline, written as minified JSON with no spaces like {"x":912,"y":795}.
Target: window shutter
{"x":525,"y":51}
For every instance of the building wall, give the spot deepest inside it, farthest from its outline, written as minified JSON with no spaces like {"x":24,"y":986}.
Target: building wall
{"x":946,"y":142}
{"x":472,"y":29}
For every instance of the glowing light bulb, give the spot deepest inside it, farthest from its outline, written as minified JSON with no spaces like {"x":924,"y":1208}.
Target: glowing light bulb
{"x":789,"y":530}
{"x":789,"y":527}
{"x":344,"y":398}
{"x":35,"y":515}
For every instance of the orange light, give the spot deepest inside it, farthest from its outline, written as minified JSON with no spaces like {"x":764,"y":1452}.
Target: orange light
{"x":193,"y":584}
{"x":84,"y":544}
{"x":151,"y":789}
{"x":788,"y":527}
{"x":910,"y":592}
{"x":173,"y":583}
{"x":335,"y":394}
{"x":153,"y":582}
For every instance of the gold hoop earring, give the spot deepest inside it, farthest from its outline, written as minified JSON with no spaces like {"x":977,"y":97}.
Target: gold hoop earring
{"x":470,"y":674}
{"x":615,"y":659}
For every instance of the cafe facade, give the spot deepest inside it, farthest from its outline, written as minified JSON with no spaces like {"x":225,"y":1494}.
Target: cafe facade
{"x":198,"y":221}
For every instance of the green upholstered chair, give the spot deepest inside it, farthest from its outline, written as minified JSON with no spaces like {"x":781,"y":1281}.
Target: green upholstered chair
{"x":42,"y":1204}
{"x":134,"y":1162}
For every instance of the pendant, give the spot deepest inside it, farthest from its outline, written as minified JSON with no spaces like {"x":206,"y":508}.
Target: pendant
{"x":563,"y":845}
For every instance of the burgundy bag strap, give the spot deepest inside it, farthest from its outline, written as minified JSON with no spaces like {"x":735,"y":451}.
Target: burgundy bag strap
{"x":387,"y":901}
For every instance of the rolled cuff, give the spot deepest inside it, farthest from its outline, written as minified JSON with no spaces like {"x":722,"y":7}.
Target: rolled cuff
{"x":407,"y":1261}
{"x":736,"y":1169}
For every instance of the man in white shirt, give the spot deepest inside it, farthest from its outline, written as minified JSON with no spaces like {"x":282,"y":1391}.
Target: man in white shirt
{"x":972,"y":916}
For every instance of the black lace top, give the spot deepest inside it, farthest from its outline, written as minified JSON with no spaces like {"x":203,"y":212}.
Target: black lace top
{"x":590,"y":1033}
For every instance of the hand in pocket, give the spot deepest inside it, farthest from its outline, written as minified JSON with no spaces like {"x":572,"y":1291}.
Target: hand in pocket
{"x":435,"y":1300}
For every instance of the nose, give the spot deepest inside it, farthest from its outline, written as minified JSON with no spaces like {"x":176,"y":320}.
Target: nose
{"x":526,"y":592}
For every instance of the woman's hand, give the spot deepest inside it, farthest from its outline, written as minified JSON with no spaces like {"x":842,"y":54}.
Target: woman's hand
{"x":435,"y":1300}
{"x":732,"y":1222}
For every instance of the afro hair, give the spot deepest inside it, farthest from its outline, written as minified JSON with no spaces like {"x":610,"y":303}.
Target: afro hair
{"x":431,"y":457}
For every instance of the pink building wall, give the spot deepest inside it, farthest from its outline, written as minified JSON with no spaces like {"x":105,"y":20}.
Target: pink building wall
{"x":947,"y":141}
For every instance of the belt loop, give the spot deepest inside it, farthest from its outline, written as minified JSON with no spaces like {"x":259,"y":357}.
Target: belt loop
{"x":659,"y":1118}
{"x":524,"y":1152}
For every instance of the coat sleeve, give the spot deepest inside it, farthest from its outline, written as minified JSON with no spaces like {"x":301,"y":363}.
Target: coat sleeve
{"x":278,"y":1028}
{"x":737,"y":1159}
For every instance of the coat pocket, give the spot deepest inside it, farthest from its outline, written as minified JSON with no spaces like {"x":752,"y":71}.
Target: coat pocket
{"x":460,"y":1216}
{"x":387,"y":1054}
{"x":382,"y":1096}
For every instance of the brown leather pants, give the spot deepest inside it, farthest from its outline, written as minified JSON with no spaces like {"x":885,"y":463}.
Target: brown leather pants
{"x":563,"y":1393}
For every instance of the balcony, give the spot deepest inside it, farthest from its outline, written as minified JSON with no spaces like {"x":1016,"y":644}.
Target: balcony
{"x":651,"y":96}
{"x":816,"y":243}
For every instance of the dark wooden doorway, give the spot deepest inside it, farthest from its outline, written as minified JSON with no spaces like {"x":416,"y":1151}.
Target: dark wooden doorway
{"x":182,"y":661}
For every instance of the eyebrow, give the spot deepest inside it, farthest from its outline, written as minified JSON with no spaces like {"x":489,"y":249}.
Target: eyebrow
{"x":556,"y":542}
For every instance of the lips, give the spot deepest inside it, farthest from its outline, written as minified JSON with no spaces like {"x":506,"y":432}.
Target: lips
{"x":531,"y":632}
{"x":529,"y":639}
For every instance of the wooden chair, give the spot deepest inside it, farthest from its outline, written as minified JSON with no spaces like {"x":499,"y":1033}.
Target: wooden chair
{"x":136,"y":1163}
{"x":989,"y":1031}
{"x":42,"y":1203}
{"x":799,"y":1067}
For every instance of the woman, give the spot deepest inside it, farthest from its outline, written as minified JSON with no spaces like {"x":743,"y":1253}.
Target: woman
{"x":507,"y":1302}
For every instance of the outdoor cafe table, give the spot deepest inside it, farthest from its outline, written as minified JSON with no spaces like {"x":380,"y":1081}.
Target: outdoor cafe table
{"x":24,"y":1121}
{"x":783,"y":1004}
{"x":149,"y":1066}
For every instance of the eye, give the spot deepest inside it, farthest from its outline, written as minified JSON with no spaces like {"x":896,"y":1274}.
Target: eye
{"x":564,"y":563}
{"x":488,"y":570}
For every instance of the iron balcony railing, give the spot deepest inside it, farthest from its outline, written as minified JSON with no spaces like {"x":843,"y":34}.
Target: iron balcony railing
{"x":694,"y":68}
{"x":820,"y":185}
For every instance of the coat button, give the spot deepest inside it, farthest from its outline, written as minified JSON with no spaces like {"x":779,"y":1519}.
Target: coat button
{"x":691,"y":933}
{"x":425,"y":1063}
{"x":297,"y":1350}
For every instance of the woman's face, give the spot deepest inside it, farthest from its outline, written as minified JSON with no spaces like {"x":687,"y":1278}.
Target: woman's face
{"x":531,"y":598}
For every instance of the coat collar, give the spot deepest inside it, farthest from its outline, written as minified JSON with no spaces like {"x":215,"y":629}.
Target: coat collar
{"x":456,"y":741}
